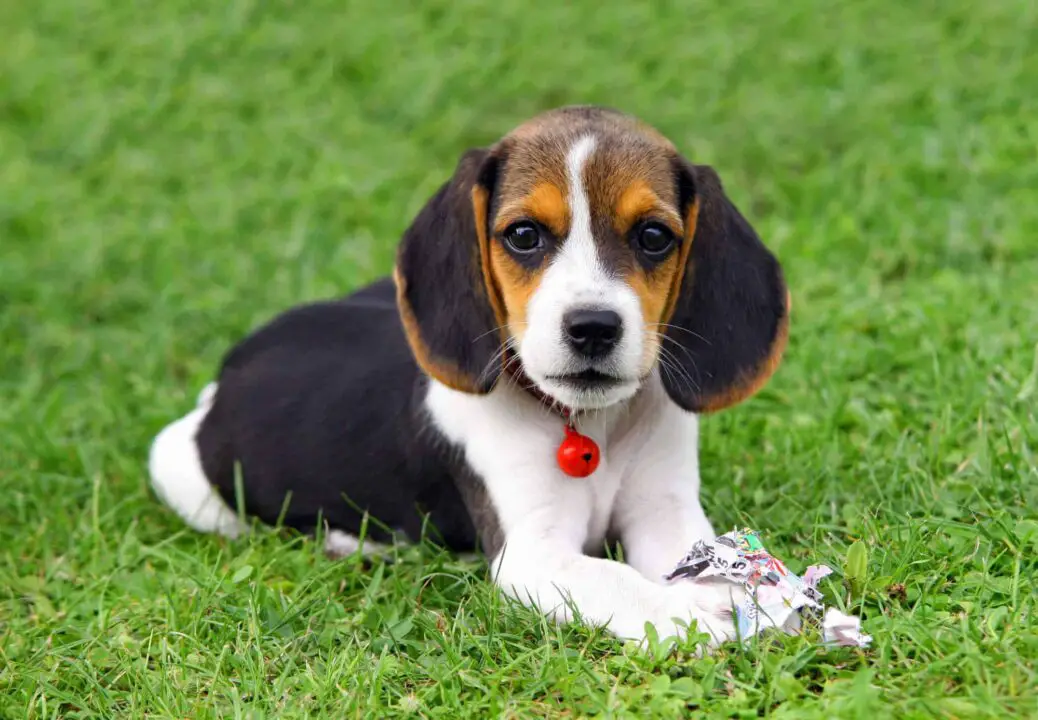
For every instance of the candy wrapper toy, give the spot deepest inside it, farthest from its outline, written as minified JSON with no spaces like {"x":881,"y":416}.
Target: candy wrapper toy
{"x":776,"y":597}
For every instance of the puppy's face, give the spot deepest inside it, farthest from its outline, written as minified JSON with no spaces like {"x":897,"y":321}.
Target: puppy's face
{"x":586,"y":248}
{"x":586,"y":240}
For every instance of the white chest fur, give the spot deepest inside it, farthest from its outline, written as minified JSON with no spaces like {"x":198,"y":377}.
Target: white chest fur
{"x":510,"y":440}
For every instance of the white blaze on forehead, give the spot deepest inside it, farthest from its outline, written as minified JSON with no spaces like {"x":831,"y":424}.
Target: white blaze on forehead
{"x":579,"y":251}
{"x":579,"y":208}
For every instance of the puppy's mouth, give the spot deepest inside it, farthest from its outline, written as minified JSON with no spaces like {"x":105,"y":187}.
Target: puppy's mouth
{"x":588,"y":389}
{"x":589,"y":379}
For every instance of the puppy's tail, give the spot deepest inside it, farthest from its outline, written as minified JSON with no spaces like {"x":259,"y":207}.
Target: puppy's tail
{"x":178,"y":478}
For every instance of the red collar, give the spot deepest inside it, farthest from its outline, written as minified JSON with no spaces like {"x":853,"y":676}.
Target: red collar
{"x":514,"y":367}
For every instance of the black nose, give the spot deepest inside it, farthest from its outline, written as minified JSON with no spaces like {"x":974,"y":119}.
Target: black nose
{"x":592,"y":333}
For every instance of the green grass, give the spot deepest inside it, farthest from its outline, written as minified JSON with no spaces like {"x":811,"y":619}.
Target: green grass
{"x":172,"y":174}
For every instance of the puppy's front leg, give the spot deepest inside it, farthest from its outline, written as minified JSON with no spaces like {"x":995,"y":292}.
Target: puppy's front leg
{"x":557,"y":578}
{"x":658,"y":516}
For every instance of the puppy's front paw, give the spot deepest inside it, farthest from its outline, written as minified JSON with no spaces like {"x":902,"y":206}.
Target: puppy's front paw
{"x":710,"y":603}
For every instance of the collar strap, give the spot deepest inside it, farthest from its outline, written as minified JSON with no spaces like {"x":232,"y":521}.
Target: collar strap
{"x":514,"y":367}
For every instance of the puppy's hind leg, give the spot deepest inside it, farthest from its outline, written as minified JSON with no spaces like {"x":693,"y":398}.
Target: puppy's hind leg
{"x":179,"y":480}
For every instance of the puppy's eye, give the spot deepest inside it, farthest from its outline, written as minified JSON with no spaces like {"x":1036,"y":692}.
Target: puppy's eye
{"x":523,"y":238}
{"x":655,"y":240}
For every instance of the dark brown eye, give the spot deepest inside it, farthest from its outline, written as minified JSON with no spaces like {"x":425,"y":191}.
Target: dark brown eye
{"x":523,"y":238}
{"x":655,"y":240}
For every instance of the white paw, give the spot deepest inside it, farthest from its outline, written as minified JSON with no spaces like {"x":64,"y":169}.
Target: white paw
{"x":710,"y":603}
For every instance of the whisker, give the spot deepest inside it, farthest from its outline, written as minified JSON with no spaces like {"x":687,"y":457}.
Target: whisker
{"x":675,"y":374}
{"x":499,"y":328}
{"x":665,"y":367}
{"x":676,"y":361}
{"x":685,"y":330}
{"x":668,"y":357}
{"x":685,"y":350}
{"x":496,"y":358}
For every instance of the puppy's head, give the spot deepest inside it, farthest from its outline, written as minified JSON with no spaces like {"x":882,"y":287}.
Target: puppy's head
{"x":583,"y":246}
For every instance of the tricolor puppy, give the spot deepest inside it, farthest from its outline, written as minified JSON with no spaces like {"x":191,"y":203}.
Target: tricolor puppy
{"x":578,"y":284}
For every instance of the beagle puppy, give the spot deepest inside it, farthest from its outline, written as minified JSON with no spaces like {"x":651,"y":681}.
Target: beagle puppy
{"x":578,"y":279}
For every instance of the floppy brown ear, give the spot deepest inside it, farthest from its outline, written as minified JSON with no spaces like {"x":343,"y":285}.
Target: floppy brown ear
{"x":450,"y":314}
{"x":731,"y":315}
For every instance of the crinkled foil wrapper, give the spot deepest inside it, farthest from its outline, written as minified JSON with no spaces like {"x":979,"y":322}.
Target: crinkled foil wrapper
{"x":776,"y":597}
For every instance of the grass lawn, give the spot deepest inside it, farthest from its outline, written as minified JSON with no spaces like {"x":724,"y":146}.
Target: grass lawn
{"x":172,"y":174}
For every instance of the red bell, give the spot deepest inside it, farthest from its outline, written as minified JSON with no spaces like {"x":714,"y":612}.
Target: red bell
{"x":578,"y":455}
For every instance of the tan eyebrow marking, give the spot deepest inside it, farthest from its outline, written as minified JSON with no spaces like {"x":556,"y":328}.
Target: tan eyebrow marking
{"x":639,"y":200}
{"x":545,"y":203}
